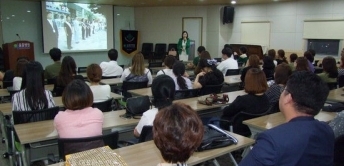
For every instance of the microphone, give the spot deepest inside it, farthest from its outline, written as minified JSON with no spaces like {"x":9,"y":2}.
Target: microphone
{"x":18,"y":36}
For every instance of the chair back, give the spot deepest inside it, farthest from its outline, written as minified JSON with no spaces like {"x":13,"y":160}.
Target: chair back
{"x":109,"y":77}
{"x":159,"y":51}
{"x":104,"y":106}
{"x":58,"y":90}
{"x":340,"y":81}
{"x":20,"y":117}
{"x":51,"y":80}
{"x":332,"y":85}
{"x":82,"y":69}
{"x":208,"y":89}
{"x":339,"y":151}
{"x":240,"y":64}
{"x":130,"y":86}
{"x":11,"y":91}
{"x":146,"y":134}
{"x":231,"y":72}
{"x":318,"y":70}
{"x":73,"y":145}
{"x":186,"y":93}
{"x":7,"y":84}
{"x":146,"y":50}
{"x":218,"y":59}
{"x":154,"y":64}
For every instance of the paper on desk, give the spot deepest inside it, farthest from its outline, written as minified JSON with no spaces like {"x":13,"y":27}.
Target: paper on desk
{"x":52,"y":134}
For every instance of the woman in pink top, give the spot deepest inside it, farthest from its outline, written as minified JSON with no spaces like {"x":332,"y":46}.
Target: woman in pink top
{"x":79,"y":119}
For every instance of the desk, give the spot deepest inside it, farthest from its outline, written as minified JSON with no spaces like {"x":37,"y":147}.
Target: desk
{"x":234,"y":79}
{"x":111,"y":81}
{"x":266,"y":122}
{"x":4,"y":92}
{"x":336,"y":95}
{"x":6,"y":108}
{"x":147,"y":154}
{"x":141,"y":92}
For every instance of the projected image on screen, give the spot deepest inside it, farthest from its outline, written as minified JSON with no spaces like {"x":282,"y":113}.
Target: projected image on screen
{"x":76,"y":26}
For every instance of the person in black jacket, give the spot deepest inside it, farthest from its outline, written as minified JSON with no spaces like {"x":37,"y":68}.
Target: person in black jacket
{"x":209,"y":74}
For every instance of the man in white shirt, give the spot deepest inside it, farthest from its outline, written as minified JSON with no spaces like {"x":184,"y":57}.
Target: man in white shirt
{"x":227,"y":62}
{"x":111,"y":68}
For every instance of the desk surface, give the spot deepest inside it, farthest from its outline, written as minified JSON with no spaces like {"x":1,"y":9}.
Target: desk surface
{"x":111,"y":81}
{"x":4,"y":92}
{"x":234,"y":79}
{"x":6,"y":108}
{"x":273,"y":120}
{"x":336,"y":95}
{"x":147,"y":154}
{"x":45,"y":130}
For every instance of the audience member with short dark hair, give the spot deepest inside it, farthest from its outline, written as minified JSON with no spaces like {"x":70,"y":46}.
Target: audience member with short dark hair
{"x":195,"y":61}
{"x":308,"y":55}
{"x":282,"y":73}
{"x":32,"y":96}
{"x":204,"y":55}
{"x":292,"y":58}
{"x":341,"y":65}
{"x":330,"y":71}
{"x":268,"y":67}
{"x":18,"y":73}
{"x":137,"y":72}
{"x":253,"y":62}
{"x":179,"y":79}
{"x":177,"y":133}
{"x":302,"y":140}
{"x":79,"y":119}
{"x":281,"y":57}
{"x":227,"y":62}
{"x":52,"y":71}
{"x":163,"y":90}
{"x":66,"y":75}
{"x":209,"y":74}
{"x":168,"y":61}
{"x":301,"y":64}
{"x":94,"y":75}
{"x":243,"y":55}
{"x":272,"y":55}
{"x":254,"y":102}
{"x":111,"y":68}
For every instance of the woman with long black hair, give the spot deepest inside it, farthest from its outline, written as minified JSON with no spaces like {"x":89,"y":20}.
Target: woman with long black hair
{"x":180,"y":80}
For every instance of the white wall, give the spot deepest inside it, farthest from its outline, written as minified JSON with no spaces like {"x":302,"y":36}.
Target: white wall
{"x":286,"y":20}
{"x":29,"y":27}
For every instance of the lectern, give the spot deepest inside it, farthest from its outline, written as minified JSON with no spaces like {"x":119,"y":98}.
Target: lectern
{"x":17,"y":49}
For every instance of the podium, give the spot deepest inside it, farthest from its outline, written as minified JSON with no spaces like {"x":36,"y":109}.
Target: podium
{"x":17,"y":49}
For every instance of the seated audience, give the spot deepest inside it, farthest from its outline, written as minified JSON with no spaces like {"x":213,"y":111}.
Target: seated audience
{"x":111,"y":68}
{"x":178,"y":78}
{"x":168,"y":61}
{"x":313,"y":54}
{"x":243,"y":57}
{"x":137,"y":72}
{"x":341,"y":65}
{"x":308,"y":55}
{"x":100,"y":92}
{"x":33,"y":96}
{"x":301,"y":64}
{"x":302,"y":140}
{"x":79,"y":119}
{"x":272,"y":55}
{"x":337,"y":124}
{"x":228,"y":62}
{"x":330,"y":71}
{"x":254,"y":102}
{"x":281,"y":57}
{"x":292,"y":58}
{"x":195,"y":61}
{"x":253,"y":62}
{"x":52,"y":71}
{"x":163,"y":89}
{"x":282,"y":73}
{"x":204,"y":55}
{"x":268,"y":67}
{"x":209,"y":74}
{"x":18,"y":73}
{"x":177,"y":133}
{"x":66,"y":75}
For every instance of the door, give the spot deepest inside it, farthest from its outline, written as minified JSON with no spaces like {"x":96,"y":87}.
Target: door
{"x":194,"y":27}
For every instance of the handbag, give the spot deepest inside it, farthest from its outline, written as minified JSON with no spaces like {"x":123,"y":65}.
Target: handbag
{"x":136,"y":106}
{"x":172,"y":52}
{"x":215,"y":137}
{"x":213,"y":99}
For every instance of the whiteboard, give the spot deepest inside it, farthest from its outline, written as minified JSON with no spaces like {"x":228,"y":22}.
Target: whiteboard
{"x":255,"y":33}
{"x":323,"y":29}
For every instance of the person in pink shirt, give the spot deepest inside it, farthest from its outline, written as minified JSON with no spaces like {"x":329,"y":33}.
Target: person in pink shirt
{"x":79,"y":119}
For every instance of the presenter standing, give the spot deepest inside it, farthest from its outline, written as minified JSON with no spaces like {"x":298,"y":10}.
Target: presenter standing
{"x":183,"y":47}
{"x":69,"y":32}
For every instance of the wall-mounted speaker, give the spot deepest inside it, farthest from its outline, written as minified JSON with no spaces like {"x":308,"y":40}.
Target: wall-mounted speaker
{"x":228,"y":14}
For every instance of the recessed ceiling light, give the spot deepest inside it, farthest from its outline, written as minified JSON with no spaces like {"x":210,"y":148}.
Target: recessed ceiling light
{"x":118,"y":14}
{"x":233,"y":2}
{"x":28,"y":11}
{"x":275,"y":0}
